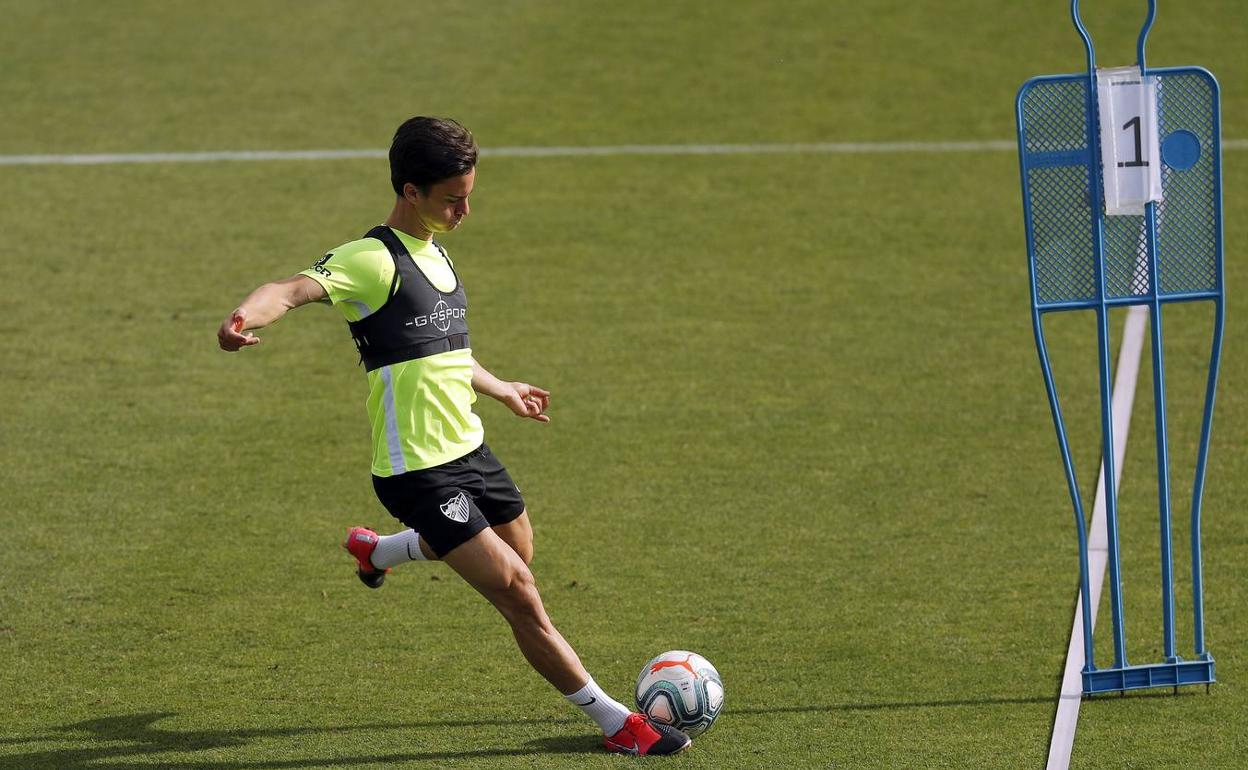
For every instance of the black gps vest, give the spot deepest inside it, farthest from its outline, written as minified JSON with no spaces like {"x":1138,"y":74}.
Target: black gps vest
{"x":417,"y":320}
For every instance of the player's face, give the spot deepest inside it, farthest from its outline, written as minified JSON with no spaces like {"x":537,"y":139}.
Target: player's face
{"x":446,"y":205}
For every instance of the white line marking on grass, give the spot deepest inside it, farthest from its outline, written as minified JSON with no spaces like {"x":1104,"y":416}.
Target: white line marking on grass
{"x":1064,"y":722}
{"x":185,"y":157}
{"x":815,"y":148}
{"x":843,"y":148}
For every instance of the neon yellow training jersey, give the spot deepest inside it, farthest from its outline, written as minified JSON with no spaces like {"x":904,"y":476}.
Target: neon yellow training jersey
{"x":420,"y":410}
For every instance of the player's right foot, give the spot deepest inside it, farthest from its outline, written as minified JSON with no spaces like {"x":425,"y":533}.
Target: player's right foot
{"x":361,"y":543}
{"x":642,"y":735}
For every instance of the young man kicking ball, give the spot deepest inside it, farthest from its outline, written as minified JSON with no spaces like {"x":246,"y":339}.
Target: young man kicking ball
{"x":407,"y":312}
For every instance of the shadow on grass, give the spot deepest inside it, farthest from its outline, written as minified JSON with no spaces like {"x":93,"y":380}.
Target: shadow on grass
{"x":143,"y":738}
{"x":897,"y":705}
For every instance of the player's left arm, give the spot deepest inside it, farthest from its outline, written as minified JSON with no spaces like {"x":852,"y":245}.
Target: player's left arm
{"x":523,"y":399}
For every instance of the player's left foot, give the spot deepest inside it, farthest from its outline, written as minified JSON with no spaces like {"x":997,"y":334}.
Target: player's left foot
{"x":642,"y":735}
{"x":361,"y":543}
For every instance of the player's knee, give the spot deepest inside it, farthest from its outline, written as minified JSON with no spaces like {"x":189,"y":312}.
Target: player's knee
{"x":523,"y":591}
{"x":519,"y":601}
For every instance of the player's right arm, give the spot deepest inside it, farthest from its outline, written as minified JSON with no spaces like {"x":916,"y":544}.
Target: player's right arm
{"x":264,"y":306}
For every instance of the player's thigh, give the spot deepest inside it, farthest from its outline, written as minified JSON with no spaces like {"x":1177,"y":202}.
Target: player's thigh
{"x":518,"y":533}
{"x":487,"y":563}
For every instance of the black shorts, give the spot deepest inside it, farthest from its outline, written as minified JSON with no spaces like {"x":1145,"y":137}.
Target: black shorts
{"x":449,"y":504}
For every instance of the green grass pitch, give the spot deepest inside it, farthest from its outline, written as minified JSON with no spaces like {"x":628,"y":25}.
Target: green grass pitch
{"x":798,"y":424}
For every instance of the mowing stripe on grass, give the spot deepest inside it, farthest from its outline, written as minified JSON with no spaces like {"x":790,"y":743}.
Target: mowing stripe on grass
{"x":833,"y":148}
{"x":1063,"y":737}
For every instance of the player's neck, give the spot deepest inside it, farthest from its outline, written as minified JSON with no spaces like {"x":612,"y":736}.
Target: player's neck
{"x":403,"y":218}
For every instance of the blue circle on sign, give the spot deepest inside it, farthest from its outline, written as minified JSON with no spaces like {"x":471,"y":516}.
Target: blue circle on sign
{"x":1180,"y":150}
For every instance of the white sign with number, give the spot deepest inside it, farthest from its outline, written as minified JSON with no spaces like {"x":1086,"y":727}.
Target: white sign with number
{"x":1130,"y":150}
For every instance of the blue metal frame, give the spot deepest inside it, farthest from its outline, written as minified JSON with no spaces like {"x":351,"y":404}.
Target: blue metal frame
{"x":1173,"y":671}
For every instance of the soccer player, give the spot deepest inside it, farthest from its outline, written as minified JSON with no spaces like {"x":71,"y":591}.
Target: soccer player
{"x":405,"y":306}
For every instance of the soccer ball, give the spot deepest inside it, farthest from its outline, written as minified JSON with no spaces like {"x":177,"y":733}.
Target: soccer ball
{"x":681,"y":689}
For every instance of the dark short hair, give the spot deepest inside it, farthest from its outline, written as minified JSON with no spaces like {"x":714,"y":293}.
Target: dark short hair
{"x":427,"y":150}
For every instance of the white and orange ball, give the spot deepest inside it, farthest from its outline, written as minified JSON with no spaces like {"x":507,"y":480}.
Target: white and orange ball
{"x":681,"y":689}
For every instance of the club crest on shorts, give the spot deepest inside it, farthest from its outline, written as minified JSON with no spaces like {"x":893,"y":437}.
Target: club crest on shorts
{"x":456,"y":509}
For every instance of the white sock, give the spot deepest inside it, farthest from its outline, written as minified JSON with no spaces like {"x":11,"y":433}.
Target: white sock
{"x":607,"y":712}
{"x":393,"y":550}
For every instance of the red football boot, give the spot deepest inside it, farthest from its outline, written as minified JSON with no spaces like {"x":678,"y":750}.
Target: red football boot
{"x":642,"y":735}
{"x":361,"y":543}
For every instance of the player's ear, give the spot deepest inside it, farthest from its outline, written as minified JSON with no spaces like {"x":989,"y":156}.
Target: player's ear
{"x":412,"y":193}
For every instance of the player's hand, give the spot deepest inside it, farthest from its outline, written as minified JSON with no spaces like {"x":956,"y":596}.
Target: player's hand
{"x":527,"y":400}
{"x":231,"y":337}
